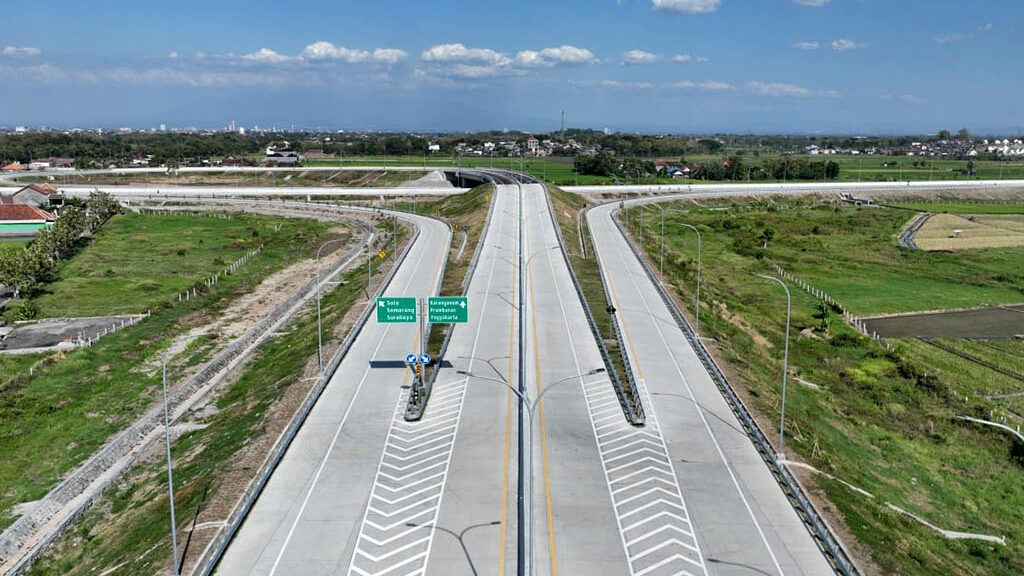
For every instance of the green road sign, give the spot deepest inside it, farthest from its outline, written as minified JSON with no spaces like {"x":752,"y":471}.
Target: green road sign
{"x":447,"y":310}
{"x":396,"y":310}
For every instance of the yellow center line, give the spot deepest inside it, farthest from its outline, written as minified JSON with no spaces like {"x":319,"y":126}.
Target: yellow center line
{"x":543,"y":428}
{"x":508,"y":434}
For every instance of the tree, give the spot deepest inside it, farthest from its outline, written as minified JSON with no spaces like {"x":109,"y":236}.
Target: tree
{"x":963,"y":135}
{"x":943,"y":135}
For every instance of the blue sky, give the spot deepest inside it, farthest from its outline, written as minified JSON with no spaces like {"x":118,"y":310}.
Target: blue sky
{"x":793,"y":66}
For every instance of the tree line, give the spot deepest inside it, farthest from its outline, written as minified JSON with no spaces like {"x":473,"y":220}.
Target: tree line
{"x":731,"y":168}
{"x":28,"y":269}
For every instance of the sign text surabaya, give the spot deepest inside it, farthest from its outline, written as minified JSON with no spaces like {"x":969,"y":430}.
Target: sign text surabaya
{"x":396,"y":310}
{"x":448,"y":310}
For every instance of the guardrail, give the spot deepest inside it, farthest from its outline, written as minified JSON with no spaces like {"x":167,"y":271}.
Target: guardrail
{"x":840,"y":559}
{"x":418,"y":402}
{"x":634,"y":410}
{"x":215,"y":550}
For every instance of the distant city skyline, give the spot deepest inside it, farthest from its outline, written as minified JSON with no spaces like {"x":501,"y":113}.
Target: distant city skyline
{"x":663,"y":66}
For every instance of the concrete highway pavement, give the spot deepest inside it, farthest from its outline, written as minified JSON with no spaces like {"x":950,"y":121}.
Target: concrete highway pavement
{"x":743,"y":522}
{"x":312,"y":517}
{"x":575,"y":522}
{"x":477,"y":527}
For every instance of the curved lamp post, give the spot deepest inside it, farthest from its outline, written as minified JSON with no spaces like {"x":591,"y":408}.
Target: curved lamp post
{"x":785,"y":366}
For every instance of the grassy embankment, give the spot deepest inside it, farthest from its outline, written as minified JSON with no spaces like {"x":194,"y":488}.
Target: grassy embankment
{"x":467,"y":213}
{"x":881,"y":421}
{"x":53,"y":419}
{"x":127,"y":532}
{"x":568,"y":209}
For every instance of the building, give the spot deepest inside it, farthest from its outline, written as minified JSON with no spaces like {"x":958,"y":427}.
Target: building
{"x":13,"y":167}
{"x":22,"y":220}
{"x":532,"y":145}
{"x":48,"y":163}
{"x":38,"y":195}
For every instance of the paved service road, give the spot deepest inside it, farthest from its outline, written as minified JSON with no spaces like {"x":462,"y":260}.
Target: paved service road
{"x":313,"y":513}
{"x":742,"y":520}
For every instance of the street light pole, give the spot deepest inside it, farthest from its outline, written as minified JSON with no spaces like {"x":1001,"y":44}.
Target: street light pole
{"x":531,"y":409}
{"x":696,"y":310}
{"x":170,"y":474}
{"x":785,"y":367}
{"x":319,"y":324}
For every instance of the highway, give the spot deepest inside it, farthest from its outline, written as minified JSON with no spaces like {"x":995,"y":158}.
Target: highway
{"x":311,"y":518}
{"x":742,"y":521}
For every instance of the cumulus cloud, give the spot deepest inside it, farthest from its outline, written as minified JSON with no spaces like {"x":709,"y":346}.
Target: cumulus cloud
{"x":460,"y":53}
{"x":814,"y":3}
{"x":389,"y":55}
{"x":843,"y":44}
{"x":321,"y":50}
{"x":638,"y":57}
{"x":172,"y":55}
{"x":711,"y":85}
{"x":785,"y":90}
{"x":265,"y":56}
{"x":686,"y":6}
{"x":807,"y":45}
{"x":687,"y":58}
{"x":561,"y":55}
{"x":25,"y":51}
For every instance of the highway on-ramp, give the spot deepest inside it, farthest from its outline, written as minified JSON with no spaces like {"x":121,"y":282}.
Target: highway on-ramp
{"x":742,"y":520}
{"x":311,"y":518}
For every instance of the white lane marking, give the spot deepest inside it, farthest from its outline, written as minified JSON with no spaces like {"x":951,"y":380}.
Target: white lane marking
{"x":337,"y":432}
{"x":674,"y":507}
{"x":672,"y":357}
{"x":388,"y":552}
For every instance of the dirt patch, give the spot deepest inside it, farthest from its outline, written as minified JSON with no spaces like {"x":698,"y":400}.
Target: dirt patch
{"x":723,"y":311}
{"x":985,"y":323}
{"x":965,"y":232}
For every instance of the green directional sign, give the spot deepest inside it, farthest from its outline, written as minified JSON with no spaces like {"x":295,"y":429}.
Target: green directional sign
{"x":396,"y":310}
{"x":447,"y":310}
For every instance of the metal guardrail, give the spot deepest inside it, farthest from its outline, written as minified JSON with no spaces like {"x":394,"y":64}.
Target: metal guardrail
{"x":840,"y":559}
{"x":74,"y":483}
{"x":215,"y":551}
{"x":634,"y":410}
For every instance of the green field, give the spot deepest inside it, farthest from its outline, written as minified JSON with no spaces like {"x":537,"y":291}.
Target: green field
{"x":825,"y":246}
{"x":881,"y":421}
{"x":139,"y":262}
{"x":953,"y":207}
{"x":12,"y":245}
{"x":54,"y":418}
{"x":859,"y":168}
{"x":127,"y":530}
{"x":260,"y":178}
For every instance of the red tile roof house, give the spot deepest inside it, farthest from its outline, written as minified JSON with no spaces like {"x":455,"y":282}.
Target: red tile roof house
{"x":22,"y":220}
{"x":34,"y":194}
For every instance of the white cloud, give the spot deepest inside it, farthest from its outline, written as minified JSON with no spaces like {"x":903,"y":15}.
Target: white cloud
{"x":686,"y":58}
{"x":626,"y":85}
{"x":807,"y":45}
{"x":843,"y":44}
{"x":562,"y":55}
{"x":686,"y":6}
{"x":460,"y":53}
{"x":26,"y":51}
{"x":321,"y":50}
{"x":389,"y":55}
{"x":637,"y":57}
{"x":172,"y":55}
{"x":266,"y":56}
{"x":711,"y":85}
{"x":958,"y":36}
{"x":785,"y":90}
{"x":814,"y":3}
{"x":911,"y":99}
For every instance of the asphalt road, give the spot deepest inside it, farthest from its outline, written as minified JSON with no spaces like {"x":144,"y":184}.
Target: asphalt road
{"x":313,"y":514}
{"x":742,"y":522}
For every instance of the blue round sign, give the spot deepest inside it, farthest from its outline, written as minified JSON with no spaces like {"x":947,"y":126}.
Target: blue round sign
{"x":410,"y":359}
{"x":425,"y":359}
